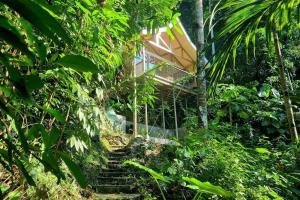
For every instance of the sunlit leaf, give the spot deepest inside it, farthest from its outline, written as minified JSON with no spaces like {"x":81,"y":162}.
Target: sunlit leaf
{"x":153,"y":173}
{"x":78,"y":63}
{"x":207,"y":187}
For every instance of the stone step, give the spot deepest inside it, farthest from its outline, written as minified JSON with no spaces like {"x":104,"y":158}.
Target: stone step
{"x":114,"y":188}
{"x":114,"y":161}
{"x":118,"y":157}
{"x":115,"y":196}
{"x":114,"y":166}
{"x":116,"y":180}
{"x":114,"y":170}
{"x":121,"y":149}
{"x":118,"y":153}
{"x":118,"y":146}
{"x":113,"y":174}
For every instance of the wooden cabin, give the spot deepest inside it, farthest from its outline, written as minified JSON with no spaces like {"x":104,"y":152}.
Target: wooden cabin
{"x":171,"y":56}
{"x":174,"y":55}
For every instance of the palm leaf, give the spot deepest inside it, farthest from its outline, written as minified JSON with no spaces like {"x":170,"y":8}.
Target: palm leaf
{"x":243,"y":19}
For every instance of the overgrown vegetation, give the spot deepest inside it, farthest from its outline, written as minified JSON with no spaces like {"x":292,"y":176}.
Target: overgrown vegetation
{"x":63,"y":63}
{"x":246,"y":150}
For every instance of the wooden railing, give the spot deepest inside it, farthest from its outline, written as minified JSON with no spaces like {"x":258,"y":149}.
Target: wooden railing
{"x":164,"y":70}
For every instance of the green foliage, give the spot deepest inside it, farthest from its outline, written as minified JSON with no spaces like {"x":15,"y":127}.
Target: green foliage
{"x":243,"y":20}
{"x":217,"y":156}
{"x":58,"y":61}
{"x":195,"y":184}
{"x":206,"y":187}
{"x":78,"y":63}
{"x":261,"y":110}
{"x":153,"y":173}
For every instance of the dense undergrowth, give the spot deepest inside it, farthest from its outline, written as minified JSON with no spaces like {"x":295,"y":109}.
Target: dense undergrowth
{"x":245,"y":151}
{"x":257,"y":171}
{"x":59,"y":64}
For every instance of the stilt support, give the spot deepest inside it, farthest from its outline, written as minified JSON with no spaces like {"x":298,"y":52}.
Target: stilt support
{"x":163,"y":114}
{"x":175,"y":114}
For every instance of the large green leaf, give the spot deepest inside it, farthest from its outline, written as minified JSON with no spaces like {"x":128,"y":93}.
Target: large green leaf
{"x":75,"y":170}
{"x":16,"y":124}
{"x":78,"y":63}
{"x":33,"y":82}
{"x":39,"y":18}
{"x":29,"y":179}
{"x":11,"y":38}
{"x":34,"y":40}
{"x":206,"y":187}
{"x":153,"y":173}
{"x":55,"y":114}
{"x":24,"y":84}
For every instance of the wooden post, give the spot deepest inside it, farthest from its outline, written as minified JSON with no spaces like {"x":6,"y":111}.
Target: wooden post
{"x":146,"y":120}
{"x":135,"y":131}
{"x":163,"y":113}
{"x":175,"y":114}
{"x":144,"y":59}
{"x":186,"y":105}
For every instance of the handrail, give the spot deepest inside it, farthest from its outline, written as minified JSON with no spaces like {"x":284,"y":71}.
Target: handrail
{"x":169,"y":62}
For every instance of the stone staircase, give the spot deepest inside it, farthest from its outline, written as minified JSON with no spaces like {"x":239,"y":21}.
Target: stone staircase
{"x":115,"y":181}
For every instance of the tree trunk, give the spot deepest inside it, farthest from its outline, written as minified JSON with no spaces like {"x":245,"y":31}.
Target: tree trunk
{"x":212,"y":35}
{"x":284,"y":89}
{"x":201,"y":81}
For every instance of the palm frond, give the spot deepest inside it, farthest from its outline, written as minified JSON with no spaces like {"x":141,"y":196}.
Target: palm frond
{"x":243,"y":19}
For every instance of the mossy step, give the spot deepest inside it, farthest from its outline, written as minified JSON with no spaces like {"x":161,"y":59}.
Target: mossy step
{"x":114,"y":161}
{"x":118,"y":146}
{"x":118,"y":153}
{"x":118,"y":157}
{"x":116,"y":180}
{"x":114,"y":188}
{"x":113,"y":174}
{"x":114,"y":166}
{"x":121,"y":150}
{"x":114,"y":170}
{"x":115,"y":196}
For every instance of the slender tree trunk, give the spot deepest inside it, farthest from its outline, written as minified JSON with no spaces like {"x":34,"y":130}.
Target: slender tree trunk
{"x":202,"y":102}
{"x":284,"y":89}
{"x":212,"y":35}
{"x":134,"y":120}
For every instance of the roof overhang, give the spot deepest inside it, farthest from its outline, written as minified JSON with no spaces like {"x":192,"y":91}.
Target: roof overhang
{"x":173,"y":44}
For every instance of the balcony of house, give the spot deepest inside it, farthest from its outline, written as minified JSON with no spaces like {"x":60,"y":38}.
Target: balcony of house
{"x":170,"y":56}
{"x":166,"y":72}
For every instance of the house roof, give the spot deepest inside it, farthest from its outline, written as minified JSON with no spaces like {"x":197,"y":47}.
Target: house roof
{"x":172,"y":43}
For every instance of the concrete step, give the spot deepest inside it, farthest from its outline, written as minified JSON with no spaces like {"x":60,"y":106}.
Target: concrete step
{"x":116,"y":180}
{"x":114,"y":188}
{"x":115,"y":196}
